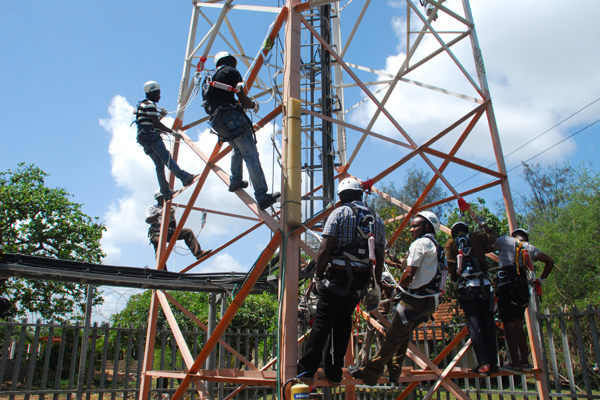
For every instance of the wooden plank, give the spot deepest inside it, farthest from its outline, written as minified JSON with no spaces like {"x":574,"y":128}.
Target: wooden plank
{"x":104,"y":359}
{"x":594,"y":330}
{"x":582,"y":356}
{"x":74,"y":353}
{"x":46,"y":366}
{"x":117,"y":344}
{"x":128,"y":361}
{"x":567,"y":354}
{"x":61,"y":355}
{"x":18,"y":359}
{"x":552,"y":351}
{"x":33,"y":358}
{"x":160,"y":381}
{"x":4,"y":359}
{"x":140,"y":353}
{"x":90,"y":378}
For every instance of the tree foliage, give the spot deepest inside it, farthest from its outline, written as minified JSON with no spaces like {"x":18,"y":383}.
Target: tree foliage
{"x":415,"y":182}
{"x":42,"y":221}
{"x":259,"y":311}
{"x":550,"y":190}
{"x":568,"y":232}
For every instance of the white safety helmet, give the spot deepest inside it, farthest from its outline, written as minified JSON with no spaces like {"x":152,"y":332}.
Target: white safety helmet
{"x":151,"y":86}
{"x":458,"y":226}
{"x":221,"y":55}
{"x":157,"y":194}
{"x":432,"y":218}
{"x":522,"y":231}
{"x":349,"y":184}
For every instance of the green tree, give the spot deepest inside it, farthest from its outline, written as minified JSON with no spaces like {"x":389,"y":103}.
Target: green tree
{"x":415,"y":182}
{"x":550,"y":190}
{"x":41,"y":221}
{"x":569,"y":234}
{"x":259,"y":311}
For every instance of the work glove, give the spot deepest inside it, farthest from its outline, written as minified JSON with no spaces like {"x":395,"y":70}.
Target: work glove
{"x":537,"y":286}
{"x":256,"y":107}
{"x":480,"y":221}
{"x":163,"y":113}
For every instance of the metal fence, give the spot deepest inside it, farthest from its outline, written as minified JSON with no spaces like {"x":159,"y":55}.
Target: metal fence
{"x":42,"y":360}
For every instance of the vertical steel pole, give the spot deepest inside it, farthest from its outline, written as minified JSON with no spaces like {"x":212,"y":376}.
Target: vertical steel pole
{"x":84,"y":342}
{"x":212,"y":322}
{"x":291,"y":243}
{"x":336,"y":37}
{"x":326,"y":107}
{"x":510,"y":211}
{"x":530,"y":316}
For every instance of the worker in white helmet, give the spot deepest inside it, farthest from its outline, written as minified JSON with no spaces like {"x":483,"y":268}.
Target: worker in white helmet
{"x":419,"y":285}
{"x":229,"y":121}
{"x":342,"y":276}
{"x":150,"y":128}
{"x":516,"y":255}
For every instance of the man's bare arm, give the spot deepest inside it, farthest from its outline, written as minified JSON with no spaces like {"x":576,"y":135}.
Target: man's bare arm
{"x":324,"y":255}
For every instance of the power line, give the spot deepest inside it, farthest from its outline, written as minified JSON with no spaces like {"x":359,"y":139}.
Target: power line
{"x":538,"y":136}
{"x":554,"y":145}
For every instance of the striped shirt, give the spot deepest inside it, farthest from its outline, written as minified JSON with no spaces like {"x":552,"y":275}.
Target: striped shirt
{"x":342,"y":224}
{"x":145,"y":110}
{"x":506,"y":246}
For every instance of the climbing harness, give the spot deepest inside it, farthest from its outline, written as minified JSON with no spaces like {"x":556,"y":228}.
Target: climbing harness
{"x":437,"y":285}
{"x":357,"y":253}
{"x":518,"y":271}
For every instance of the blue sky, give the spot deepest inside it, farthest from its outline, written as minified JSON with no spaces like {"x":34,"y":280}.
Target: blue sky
{"x":71,"y":70}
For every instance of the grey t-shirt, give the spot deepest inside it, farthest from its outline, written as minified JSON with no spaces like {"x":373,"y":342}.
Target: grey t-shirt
{"x":506,"y":246}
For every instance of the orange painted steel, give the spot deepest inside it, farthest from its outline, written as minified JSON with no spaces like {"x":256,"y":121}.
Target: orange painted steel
{"x":186,"y":212}
{"x":186,"y":355}
{"x":208,"y":210}
{"x":205,"y":328}
{"x":195,"y":123}
{"x":267,"y":366}
{"x":281,"y":18}
{"x":434,"y":179}
{"x":291,"y":12}
{"x":230,"y":313}
{"x":227,"y":244}
{"x":463,"y":194}
{"x":268,"y":118}
{"x":376,"y":102}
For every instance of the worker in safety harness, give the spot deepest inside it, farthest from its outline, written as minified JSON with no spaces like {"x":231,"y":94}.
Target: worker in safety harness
{"x":154,"y":216}
{"x":388,"y":291}
{"x":147,"y":118}
{"x":516,"y":256}
{"x":342,"y":276}
{"x":467,"y":265}
{"x":229,"y":121}
{"x":419,"y":284}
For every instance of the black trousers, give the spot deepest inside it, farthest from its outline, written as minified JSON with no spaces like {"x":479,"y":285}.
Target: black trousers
{"x":333,"y":321}
{"x":478,"y":306}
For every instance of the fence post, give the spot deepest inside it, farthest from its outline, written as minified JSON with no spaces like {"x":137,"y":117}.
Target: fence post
{"x":84,"y":342}
{"x":212,"y":322}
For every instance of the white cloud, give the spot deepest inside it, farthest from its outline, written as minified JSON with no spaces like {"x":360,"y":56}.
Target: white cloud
{"x":134,"y":172}
{"x":223,"y":262}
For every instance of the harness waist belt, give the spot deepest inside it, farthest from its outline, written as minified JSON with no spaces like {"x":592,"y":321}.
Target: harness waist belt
{"x":354,"y":269}
{"x":338,"y":262}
